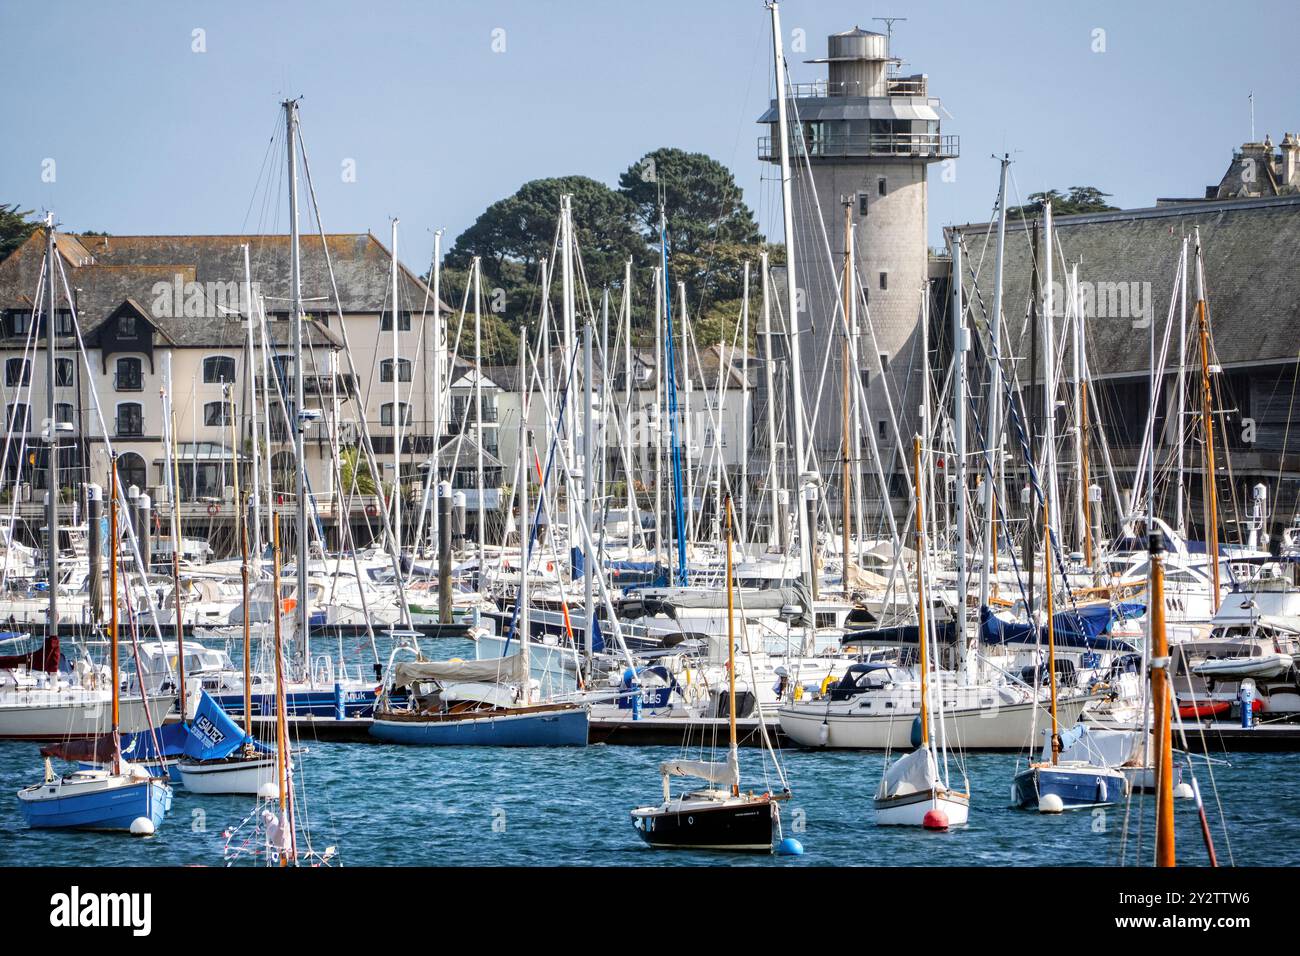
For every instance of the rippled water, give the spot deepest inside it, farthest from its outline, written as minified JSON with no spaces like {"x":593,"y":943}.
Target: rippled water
{"x":385,"y":805}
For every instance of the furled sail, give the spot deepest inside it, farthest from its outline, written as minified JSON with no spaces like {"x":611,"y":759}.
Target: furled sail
{"x":497,"y":670}
{"x":720,"y":772}
{"x":914,"y":773}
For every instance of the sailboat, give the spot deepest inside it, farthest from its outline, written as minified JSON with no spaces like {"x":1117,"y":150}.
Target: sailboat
{"x":912,"y":792}
{"x":119,"y":797}
{"x":487,"y":702}
{"x":719,"y":817}
{"x":1054,"y":783}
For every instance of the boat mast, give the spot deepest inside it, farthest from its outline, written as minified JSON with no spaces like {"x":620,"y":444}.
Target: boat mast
{"x":1051,"y":626}
{"x":281,"y":722}
{"x":481,"y":518}
{"x":252,"y":409}
{"x":295,"y":293}
{"x":792,"y":298}
{"x":633,"y":512}
{"x":1049,"y":369}
{"x":776,"y":533}
{"x":744,"y":412}
{"x":1161,"y":704}
{"x":659,"y":367}
{"x":588,"y":494}
{"x":959,"y":345}
{"x":397,"y":421}
{"x":993,"y":404}
{"x":731,"y":657}
{"x":241,"y":528}
{"x":1180,"y":521}
{"x":1207,"y":416}
{"x":525,"y":530}
{"x":52,"y":486}
{"x":173,"y":454}
{"x":112,"y":587}
{"x":846,"y":518}
{"x":920,"y":586}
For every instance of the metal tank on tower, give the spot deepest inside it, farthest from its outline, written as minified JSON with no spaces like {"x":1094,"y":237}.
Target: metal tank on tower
{"x":862,"y":138}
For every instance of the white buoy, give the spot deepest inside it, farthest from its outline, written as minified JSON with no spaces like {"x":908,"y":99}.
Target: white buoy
{"x":142,"y":826}
{"x":269,"y":790}
{"x":1183,"y":791}
{"x":1050,"y":803}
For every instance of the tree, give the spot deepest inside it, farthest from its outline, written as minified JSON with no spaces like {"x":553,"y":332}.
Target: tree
{"x":710,"y":229}
{"x":1081,"y":199}
{"x":514,"y":235}
{"x":15,"y":227}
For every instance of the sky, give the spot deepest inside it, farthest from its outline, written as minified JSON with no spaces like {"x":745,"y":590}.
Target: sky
{"x":139,"y":117}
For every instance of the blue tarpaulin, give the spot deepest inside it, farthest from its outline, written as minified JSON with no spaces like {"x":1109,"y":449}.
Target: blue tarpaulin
{"x":1087,"y":626}
{"x":213,"y":733}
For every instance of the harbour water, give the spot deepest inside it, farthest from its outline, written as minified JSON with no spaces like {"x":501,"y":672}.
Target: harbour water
{"x":408,"y":806}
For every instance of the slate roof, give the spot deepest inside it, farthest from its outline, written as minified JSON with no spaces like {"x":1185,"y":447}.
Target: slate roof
{"x":1252,"y":281}
{"x":108,"y":270}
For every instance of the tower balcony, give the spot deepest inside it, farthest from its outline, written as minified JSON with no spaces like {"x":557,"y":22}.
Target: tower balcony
{"x":928,"y":146}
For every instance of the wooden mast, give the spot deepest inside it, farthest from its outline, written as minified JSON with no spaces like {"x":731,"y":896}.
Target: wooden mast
{"x":845,"y":482}
{"x":241,"y":528}
{"x":1160,"y":702}
{"x":731,"y":650}
{"x":112,"y":587}
{"x":920,"y":582}
{"x":1051,"y":626}
{"x":1207,"y":414}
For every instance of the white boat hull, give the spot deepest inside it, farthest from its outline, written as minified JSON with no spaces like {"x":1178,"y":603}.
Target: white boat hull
{"x":1007,"y":727}
{"x":65,"y":713}
{"x":234,"y":776}
{"x":910,"y":811}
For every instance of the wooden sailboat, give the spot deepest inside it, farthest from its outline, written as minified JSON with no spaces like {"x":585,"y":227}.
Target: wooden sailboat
{"x":1053,"y":784}
{"x":912,"y":791}
{"x":121,"y":796}
{"x":718,"y":817}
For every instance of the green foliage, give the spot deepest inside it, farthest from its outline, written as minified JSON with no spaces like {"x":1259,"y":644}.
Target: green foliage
{"x":349,"y":471}
{"x":1080,"y":199}
{"x":15,"y":227}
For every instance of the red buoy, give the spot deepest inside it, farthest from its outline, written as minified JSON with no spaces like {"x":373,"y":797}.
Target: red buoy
{"x":935,"y":819}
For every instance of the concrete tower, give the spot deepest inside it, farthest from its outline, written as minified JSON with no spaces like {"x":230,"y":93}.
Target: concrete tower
{"x":867,"y":134}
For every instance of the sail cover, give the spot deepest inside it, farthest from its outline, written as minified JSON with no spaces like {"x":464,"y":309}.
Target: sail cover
{"x":914,"y":773}
{"x":494,"y":671}
{"x":720,"y":772}
{"x":213,"y":734}
{"x":46,"y":659}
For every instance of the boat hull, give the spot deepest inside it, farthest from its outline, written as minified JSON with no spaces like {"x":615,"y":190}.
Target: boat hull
{"x":358,"y":701}
{"x":1008,"y":727}
{"x":678,"y":825}
{"x":1079,"y":788}
{"x":50,"y":806}
{"x":544,"y":726}
{"x":54,"y":715}
{"x":227,"y":776}
{"x":910,"y":810}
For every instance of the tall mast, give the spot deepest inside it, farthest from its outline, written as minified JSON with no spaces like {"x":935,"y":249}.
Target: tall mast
{"x":438,"y":376}
{"x":252,"y":409}
{"x":959,"y":345}
{"x":993,"y":404}
{"x":112,"y":590}
{"x":846,"y":520}
{"x":525,"y":531}
{"x":481,"y":522}
{"x":397,"y":416}
{"x":281,"y":722}
{"x":687,"y":437}
{"x":918,"y":489}
{"x":570,"y":320}
{"x":769,"y":382}
{"x":52,"y":492}
{"x":241,"y":526}
{"x":295,"y":293}
{"x":1180,"y":520}
{"x":731,"y":656}
{"x":792,"y":292}
{"x":744,"y":411}
{"x":660,"y":371}
{"x":1207,"y":417}
{"x":633,"y":517}
{"x":1049,"y":370}
{"x":1049,"y":603}
{"x":1161,"y":705}
{"x":588,"y":494}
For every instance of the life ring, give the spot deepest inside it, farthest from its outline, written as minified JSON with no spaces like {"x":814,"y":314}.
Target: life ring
{"x":214,"y":510}
{"x":371,"y":511}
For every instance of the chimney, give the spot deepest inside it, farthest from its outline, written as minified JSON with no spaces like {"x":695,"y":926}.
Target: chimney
{"x":1290,"y":160}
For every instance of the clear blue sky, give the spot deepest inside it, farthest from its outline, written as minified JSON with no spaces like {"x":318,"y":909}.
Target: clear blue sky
{"x":151,"y":137}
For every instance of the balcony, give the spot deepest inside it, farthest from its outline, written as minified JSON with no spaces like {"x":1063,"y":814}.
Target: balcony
{"x":930,"y":146}
{"x":896,"y":86}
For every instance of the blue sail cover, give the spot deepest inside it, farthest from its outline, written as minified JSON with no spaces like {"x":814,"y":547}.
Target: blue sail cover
{"x":1083,"y":627}
{"x":213,"y":734}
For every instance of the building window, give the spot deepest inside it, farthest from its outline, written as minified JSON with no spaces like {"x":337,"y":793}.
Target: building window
{"x":130,"y":470}
{"x":386,"y":414}
{"x":64,"y":372}
{"x":17,"y":322}
{"x":19,"y":417}
{"x":130,"y":420}
{"x":884,"y":362}
{"x":880,"y":186}
{"x":403,"y":322}
{"x":884,"y":281}
{"x":18,"y":371}
{"x":866,"y":379}
{"x":63,"y":413}
{"x":126,"y":326}
{"x":403,"y":370}
{"x":130,"y":375}
{"x":862,"y":204}
{"x":216,"y":413}
{"x":217,"y":369}
{"x":880,"y":427}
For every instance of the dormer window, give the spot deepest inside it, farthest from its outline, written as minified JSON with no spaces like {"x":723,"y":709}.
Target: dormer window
{"x":126,"y":327}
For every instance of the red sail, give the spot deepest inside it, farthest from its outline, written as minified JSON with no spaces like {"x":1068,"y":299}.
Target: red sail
{"x":46,"y":659}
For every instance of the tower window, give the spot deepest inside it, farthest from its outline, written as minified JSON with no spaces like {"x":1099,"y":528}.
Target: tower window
{"x":884,"y":362}
{"x":862,"y":204}
{"x":884,"y":281}
{"x":880,"y":427}
{"x":880,"y":186}
{"x":866,"y":378}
